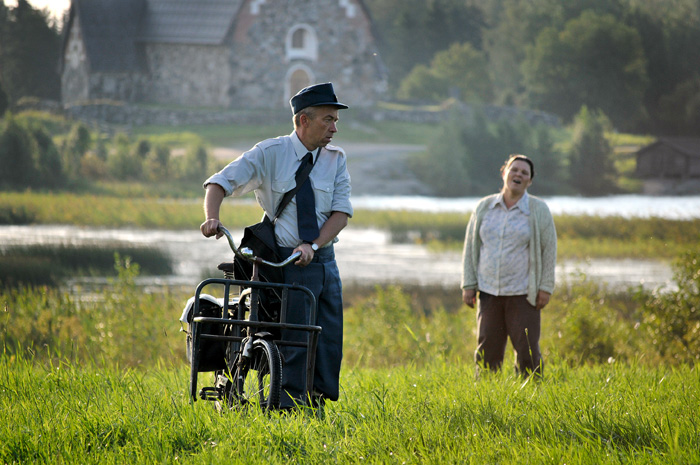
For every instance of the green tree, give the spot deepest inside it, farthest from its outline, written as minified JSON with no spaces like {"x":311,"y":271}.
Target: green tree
{"x":4,"y":101}
{"x":443,"y":166}
{"x":124,"y":162}
{"x":29,"y":54}
{"x":466,"y":157}
{"x":157,"y":165}
{"x":75,"y":146}
{"x":548,"y":163}
{"x":422,"y":84}
{"x":595,"y":61}
{"x":461,"y":70}
{"x":143,"y":147}
{"x":670,"y":33}
{"x":591,"y":169}
{"x":196,"y":163}
{"x":49,"y":166}
{"x":679,"y":111}
{"x":412,"y":31}
{"x":17,"y":149}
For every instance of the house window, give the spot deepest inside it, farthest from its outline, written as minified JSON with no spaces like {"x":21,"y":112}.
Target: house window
{"x":302,"y":43}
{"x":298,"y":37}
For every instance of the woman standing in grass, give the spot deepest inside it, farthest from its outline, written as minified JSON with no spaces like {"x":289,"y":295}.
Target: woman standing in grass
{"x":509,"y":257}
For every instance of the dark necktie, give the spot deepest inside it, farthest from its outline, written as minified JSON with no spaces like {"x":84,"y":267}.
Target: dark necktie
{"x":306,"y":206}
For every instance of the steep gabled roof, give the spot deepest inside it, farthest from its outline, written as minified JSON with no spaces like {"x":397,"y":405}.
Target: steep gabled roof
{"x":689,"y":146}
{"x":108,"y":28}
{"x":189,"y":21}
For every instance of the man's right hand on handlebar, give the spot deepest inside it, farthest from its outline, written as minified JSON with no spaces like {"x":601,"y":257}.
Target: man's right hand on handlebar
{"x":307,"y":254}
{"x":211,"y":228}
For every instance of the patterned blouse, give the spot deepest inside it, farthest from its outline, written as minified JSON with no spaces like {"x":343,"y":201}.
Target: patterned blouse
{"x":505,"y":240}
{"x":542,"y":247}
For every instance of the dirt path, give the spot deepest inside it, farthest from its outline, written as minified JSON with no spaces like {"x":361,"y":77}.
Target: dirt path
{"x":376,"y":169}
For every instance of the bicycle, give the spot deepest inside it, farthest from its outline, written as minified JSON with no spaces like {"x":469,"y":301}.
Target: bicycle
{"x":244,"y":348}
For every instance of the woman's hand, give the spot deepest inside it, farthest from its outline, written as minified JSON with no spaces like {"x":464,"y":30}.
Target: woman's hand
{"x":542,"y":299}
{"x":469,"y":297}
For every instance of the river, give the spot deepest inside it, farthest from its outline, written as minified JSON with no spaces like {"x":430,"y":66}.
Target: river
{"x":626,"y":206}
{"x":367,"y":256}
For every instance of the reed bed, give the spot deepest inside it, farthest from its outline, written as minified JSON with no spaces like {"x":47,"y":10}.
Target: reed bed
{"x":579,"y":236}
{"x":384,"y":326}
{"x":45,"y":264}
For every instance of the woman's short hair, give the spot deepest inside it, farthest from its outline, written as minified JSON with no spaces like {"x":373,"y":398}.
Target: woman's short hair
{"x":516,"y":157}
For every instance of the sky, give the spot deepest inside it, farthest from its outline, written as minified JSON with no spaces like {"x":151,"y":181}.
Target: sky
{"x":56,"y":7}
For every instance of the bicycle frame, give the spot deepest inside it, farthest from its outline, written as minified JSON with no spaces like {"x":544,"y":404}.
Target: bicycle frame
{"x":252,"y":323}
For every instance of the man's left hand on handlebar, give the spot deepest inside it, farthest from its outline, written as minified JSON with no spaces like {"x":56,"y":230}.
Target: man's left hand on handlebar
{"x":211,"y":228}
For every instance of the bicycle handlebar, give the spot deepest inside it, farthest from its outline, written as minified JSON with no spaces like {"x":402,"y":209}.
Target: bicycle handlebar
{"x":247,"y":254}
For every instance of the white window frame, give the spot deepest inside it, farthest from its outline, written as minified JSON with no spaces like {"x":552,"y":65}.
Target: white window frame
{"x":310,"y":49}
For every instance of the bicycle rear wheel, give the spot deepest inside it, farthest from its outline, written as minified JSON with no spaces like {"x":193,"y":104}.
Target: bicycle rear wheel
{"x":259,"y":381}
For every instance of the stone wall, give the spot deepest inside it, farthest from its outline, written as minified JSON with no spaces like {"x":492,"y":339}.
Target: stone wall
{"x":122,"y":114}
{"x":188,"y":75}
{"x":126,"y":115}
{"x":345,"y":54}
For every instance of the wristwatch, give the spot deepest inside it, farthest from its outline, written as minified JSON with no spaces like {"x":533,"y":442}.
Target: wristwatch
{"x":314,"y":246}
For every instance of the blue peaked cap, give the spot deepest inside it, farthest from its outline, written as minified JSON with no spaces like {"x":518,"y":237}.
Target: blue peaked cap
{"x":313,"y":96}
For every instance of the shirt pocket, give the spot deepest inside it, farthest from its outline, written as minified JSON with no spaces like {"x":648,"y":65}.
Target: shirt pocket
{"x":323,"y":194}
{"x":279,"y":188}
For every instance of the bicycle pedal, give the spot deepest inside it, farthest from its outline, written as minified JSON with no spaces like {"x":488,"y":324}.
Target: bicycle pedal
{"x":210,"y":393}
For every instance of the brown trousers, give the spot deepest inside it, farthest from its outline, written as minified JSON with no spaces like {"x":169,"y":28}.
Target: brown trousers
{"x":499,"y":318}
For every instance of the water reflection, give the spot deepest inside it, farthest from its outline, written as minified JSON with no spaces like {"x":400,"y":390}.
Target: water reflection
{"x":365,"y":256}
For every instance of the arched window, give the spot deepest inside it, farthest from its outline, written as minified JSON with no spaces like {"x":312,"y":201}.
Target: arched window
{"x":298,"y":38}
{"x":301,"y":43}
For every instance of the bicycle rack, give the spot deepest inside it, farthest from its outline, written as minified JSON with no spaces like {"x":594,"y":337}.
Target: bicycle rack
{"x":312,"y":329}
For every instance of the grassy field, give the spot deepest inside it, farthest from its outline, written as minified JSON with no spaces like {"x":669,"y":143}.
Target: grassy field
{"x":102,"y":378}
{"x":351,"y":129}
{"x":608,"y":414}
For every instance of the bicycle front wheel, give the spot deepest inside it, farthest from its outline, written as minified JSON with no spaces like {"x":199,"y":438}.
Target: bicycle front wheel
{"x":259,"y":381}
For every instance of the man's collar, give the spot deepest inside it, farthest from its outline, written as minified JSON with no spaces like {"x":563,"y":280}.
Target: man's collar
{"x":300,"y":149}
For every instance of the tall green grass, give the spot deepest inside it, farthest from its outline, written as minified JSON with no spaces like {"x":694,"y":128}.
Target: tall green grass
{"x":65,"y":412}
{"x":384,"y":327}
{"x":102,"y":378}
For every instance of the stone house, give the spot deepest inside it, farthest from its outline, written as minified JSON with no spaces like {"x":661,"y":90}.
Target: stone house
{"x":231,"y":54}
{"x":671,"y":165}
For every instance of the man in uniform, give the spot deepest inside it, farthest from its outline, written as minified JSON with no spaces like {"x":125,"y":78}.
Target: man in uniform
{"x":309,"y":224}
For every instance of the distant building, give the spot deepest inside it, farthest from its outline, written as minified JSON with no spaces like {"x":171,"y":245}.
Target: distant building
{"x":670,"y":165}
{"x":233,"y":54}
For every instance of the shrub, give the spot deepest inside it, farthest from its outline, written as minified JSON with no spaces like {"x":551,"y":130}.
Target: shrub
{"x":672,"y":319}
{"x":75,"y":146}
{"x":17,"y":149}
{"x":124,"y":163}
{"x":16,"y":215}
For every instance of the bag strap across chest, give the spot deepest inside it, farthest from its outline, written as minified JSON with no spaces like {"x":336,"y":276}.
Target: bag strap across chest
{"x":300,"y":177}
